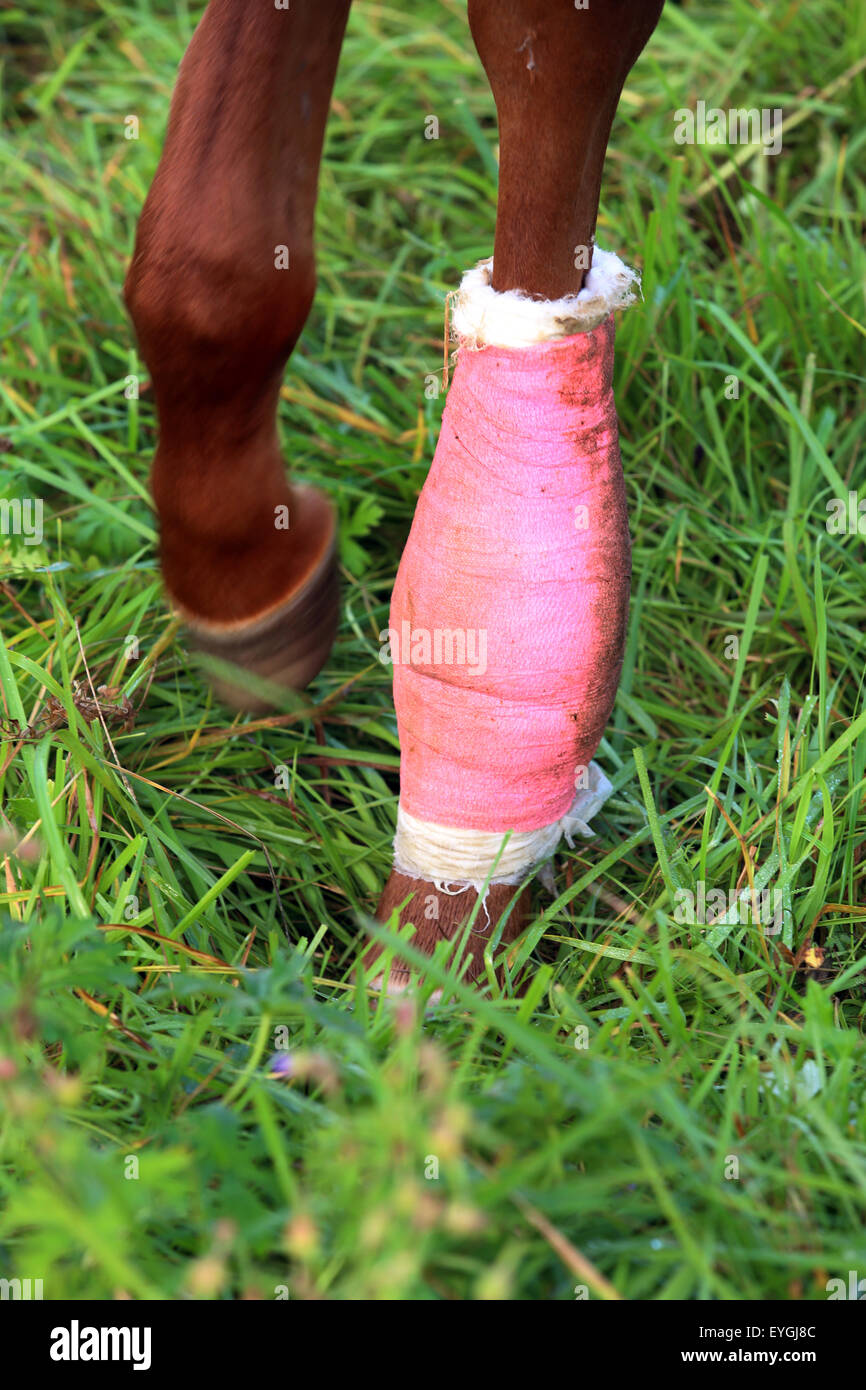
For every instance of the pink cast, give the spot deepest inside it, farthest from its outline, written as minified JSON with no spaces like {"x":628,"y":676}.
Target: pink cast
{"x":520,"y":547}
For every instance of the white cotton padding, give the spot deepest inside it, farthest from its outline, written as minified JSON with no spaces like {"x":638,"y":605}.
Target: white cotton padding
{"x":484,"y":317}
{"x":454,"y":860}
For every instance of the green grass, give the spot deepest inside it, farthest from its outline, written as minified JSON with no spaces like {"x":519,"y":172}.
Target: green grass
{"x":709,"y":1140}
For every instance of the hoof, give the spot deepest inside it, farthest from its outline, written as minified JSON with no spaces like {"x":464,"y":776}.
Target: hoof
{"x":286,"y":646}
{"x":439,"y":917}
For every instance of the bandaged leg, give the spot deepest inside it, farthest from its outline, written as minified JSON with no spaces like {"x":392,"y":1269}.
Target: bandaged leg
{"x":509,"y":611}
{"x":520,"y":547}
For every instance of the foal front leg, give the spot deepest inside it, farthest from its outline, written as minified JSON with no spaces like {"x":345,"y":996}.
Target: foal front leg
{"x":220,"y":285}
{"x":520,"y":537}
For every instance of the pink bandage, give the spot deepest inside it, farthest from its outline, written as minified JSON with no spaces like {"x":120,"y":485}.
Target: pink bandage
{"x":509,"y":611}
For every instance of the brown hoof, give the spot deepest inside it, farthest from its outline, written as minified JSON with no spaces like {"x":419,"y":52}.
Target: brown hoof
{"x":442,"y":917}
{"x":286,"y":646}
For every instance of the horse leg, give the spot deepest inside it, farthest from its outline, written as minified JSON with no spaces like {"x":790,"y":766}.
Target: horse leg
{"x":220,"y":284}
{"x":533,"y":719}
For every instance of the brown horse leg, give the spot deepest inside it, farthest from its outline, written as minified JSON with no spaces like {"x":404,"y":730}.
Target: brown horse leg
{"x":220,"y":285}
{"x":556,"y":73}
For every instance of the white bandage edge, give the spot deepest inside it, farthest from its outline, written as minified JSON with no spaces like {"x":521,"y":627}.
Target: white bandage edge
{"x":455,"y":859}
{"x":484,"y":317}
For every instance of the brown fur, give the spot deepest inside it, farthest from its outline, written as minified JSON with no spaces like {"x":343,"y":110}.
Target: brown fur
{"x":286,"y":648}
{"x":216,"y":320}
{"x":556,"y":74}
{"x":441,"y":917}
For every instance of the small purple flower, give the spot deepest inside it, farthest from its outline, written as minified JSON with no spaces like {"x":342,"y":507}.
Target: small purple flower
{"x":283,"y":1064}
